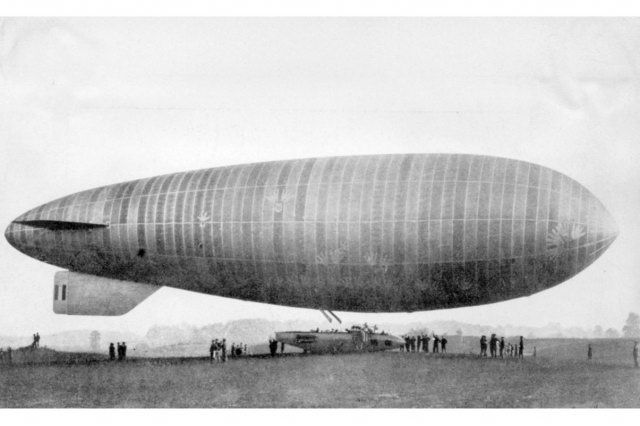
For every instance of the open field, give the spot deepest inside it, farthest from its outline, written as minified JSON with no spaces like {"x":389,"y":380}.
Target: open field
{"x":555,"y":378}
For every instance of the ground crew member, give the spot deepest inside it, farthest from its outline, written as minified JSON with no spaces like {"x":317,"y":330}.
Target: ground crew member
{"x":492,"y":345}
{"x":589,"y":352}
{"x":112,"y":352}
{"x":501,"y":347}
{"x":224,"y":350}
{"x":443,"y":344}
{"x":425,"y":343}
{"x":521,"y":353}
{"x":635,"y":354}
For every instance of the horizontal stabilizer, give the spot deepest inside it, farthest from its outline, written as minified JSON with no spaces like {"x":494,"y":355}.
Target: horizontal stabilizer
{"x":60,"y":225}
{"x":82,"y":294}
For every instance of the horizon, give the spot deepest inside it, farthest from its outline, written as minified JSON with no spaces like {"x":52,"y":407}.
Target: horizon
{"x":407,"y":326}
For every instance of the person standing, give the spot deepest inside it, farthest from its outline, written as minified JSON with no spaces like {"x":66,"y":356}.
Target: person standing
{"x":124,"y":350}
{"x":635,"y":353}
{"x":212,"y":349}
{"x":502,"y":347}
{"x":224,"y":350}
{"x":419,"y":343}
{"x":492,"y":345}
{"x":425,"y":343}
{"x":589,"y":352}
{"x":112,"y":352}
{"x":521,"y":348}
{"x":443,"y":344}
{"x":119,"y":347}
{"x":436,"y":342}
{"x":216,"y":350}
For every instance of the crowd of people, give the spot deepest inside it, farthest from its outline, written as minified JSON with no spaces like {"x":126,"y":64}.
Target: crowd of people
{"x":420,"y":343}
{"x":238,"y":350}
{"x":121,"y":349}
{"x":218,"y":350}
{"x":498,"y":348}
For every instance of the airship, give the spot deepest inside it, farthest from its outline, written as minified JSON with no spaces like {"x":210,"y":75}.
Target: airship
{"x":377,"y":233}
{"x":355,"y":339}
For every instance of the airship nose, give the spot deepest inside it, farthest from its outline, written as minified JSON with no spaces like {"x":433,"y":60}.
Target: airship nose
{"x":9,"y":234}
{"x":15,"y":235}
{"x":21,"y":233}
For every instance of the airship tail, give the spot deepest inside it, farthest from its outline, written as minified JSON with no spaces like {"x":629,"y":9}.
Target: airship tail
{"x":82,"y":294}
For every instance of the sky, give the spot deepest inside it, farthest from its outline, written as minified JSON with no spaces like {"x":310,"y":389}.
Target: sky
{"x":91,"y":102}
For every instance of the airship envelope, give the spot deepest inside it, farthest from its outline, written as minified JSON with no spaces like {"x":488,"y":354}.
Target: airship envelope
{"x":379,"y":233}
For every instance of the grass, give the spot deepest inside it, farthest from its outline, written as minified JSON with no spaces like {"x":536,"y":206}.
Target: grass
{"x":557,"y":377}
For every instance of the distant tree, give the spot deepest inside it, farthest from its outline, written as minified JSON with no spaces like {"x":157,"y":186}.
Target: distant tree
{"x":597,"y":331}
{"x":611,"y":333}
{"x":95,"y":340}
{"x":631,"y":327}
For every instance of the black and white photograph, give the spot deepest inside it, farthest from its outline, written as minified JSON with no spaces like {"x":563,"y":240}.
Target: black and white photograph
{"x":319,"y":212}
